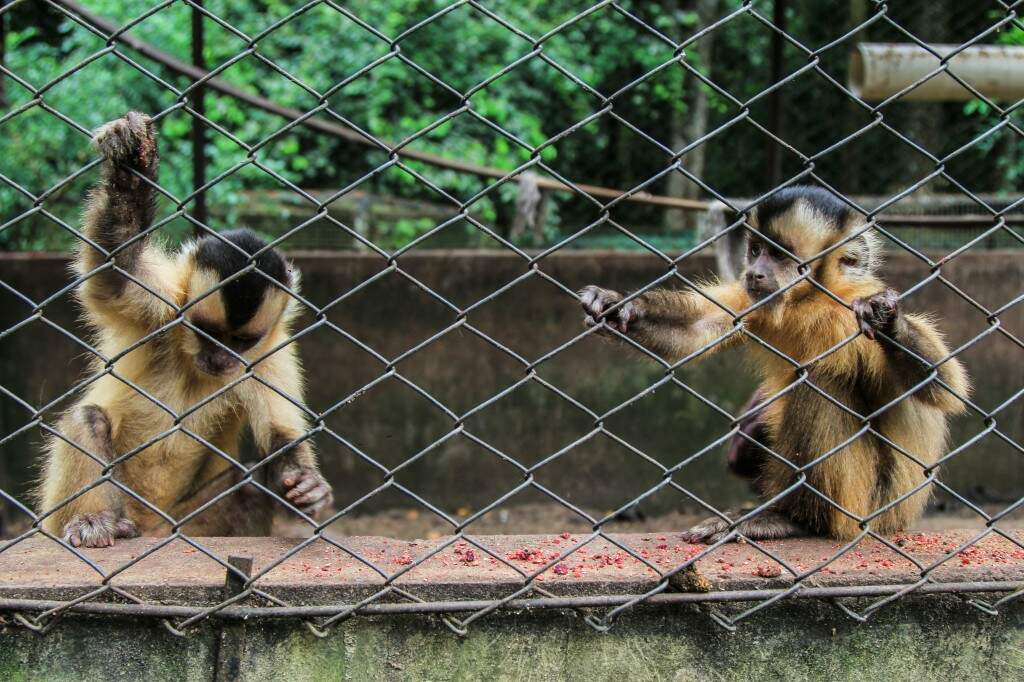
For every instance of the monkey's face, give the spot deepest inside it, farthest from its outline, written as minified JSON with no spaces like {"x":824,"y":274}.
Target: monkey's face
{"x":233,"y":320}
{"x":768,"y":267}
{"x":219,"y":347}
{"x":793,"y":225}
{"x":217,"y":350}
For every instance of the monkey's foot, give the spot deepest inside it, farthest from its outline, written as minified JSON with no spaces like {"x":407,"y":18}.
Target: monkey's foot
{"x":306,"y":489}
{"x":767,"y":525}
{"x":129,"y":140}
{"x":98,"y":529}
{"x":596,"y":302}
{"x":878,"y":313}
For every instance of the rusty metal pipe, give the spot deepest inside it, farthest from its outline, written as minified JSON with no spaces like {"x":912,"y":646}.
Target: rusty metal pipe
{"x":457,"y":606}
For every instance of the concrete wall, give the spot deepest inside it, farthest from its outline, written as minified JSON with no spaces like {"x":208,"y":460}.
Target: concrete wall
{"x":914,"y":639}
{"x":391,"y":422}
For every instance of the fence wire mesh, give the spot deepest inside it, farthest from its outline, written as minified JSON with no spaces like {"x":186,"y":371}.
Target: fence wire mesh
{"x":257,"y":596}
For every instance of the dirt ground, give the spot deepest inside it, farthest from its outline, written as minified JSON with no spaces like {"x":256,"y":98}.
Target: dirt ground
{"x":539,"y":519}
{"x":408,"y":524}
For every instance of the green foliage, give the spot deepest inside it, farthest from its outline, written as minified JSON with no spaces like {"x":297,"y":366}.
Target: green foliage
{"x":412,"y":93}
{"x":393,"y":101}
{"x":1007,"y":152}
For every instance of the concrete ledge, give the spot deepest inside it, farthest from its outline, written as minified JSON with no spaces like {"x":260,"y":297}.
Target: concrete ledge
{"x":916,"y":637}
{"x":319,"y":573}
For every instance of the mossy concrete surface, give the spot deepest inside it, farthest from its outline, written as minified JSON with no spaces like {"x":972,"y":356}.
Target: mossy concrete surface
{"x":923,"y":638}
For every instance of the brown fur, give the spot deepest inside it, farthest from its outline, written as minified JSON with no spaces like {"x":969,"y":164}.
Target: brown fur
{"x":864,"y":475}
{"x":178,"y":473}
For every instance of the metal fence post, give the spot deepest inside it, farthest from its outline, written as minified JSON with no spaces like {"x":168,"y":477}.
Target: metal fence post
{"x":231,"y":639}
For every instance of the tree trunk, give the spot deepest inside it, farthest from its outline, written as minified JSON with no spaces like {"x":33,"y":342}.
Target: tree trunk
{"x":924,"y":121}
{"x":691,"y":123}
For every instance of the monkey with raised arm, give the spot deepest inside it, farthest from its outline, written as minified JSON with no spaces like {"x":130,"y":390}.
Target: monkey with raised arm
{"x":805,"y":429}
{"x":167,"y":404}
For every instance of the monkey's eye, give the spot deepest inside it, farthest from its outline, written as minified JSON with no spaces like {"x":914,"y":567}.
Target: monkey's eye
{"x":849,"y":261}
{"x":756,"y":249}
{"x":245,"y":339}
{"x":206,"y":329}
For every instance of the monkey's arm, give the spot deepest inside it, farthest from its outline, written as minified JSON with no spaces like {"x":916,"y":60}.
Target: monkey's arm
{"x":671,"y":324}
{"x":899,"y":370}
{"x":277,"y":422}
{"x":117,"y":211}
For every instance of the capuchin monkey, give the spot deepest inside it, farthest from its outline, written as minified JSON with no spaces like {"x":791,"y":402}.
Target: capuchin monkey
{"x":861,"y":354}
{"x":165,"y":405}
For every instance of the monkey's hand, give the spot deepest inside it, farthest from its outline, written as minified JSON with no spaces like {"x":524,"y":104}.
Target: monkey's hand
{"x":596,"y":303}
{"x":98,"y":529}
{"x":878,"y":313}
{"x":306,"y":489}
{"x":128,"y":142}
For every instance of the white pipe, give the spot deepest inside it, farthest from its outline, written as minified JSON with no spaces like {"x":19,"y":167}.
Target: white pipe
{"x":880,"y":70}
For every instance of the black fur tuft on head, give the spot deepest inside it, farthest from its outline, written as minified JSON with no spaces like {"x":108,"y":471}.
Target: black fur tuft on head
{"x":819,"y":198}
{"x":242,"y":296}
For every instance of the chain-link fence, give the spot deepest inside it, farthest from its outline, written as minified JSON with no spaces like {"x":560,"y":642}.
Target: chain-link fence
{"x":502,"y":203}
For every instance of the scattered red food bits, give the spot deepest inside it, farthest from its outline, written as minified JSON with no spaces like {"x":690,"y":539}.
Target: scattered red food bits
{"x":565,"y":536}
{"x":561,"y":569}
{"x":661,"y":546}
{"x":534,"y":556}
{"x":768,"y":570}
{"x":469,"y":556}
{"x":403,"y":560}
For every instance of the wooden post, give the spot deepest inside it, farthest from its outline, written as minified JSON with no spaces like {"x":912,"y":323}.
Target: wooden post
{"x":363,"y":223}
{"x":529,"y":204}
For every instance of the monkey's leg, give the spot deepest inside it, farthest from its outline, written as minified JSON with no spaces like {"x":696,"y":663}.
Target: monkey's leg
{"x":768,"y":525}
{"x":245,"y":512}
{"x":919,"y":430}
{"x":745,"y":458}
{"x":96,"y":517}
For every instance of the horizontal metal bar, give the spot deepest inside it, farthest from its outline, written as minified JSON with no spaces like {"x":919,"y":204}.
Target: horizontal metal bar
{"x":663,"y":599}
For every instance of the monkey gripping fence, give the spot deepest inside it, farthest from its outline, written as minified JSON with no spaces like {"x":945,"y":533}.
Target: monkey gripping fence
{"x":600,"y":611}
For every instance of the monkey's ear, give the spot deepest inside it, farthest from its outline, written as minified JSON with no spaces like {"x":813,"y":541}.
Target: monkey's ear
{"x":294,"y":277}
{"x":860,"y":257}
